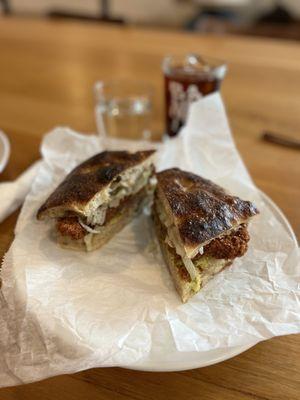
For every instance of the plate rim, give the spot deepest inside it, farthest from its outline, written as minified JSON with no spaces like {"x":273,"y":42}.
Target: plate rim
{"x":231,"y":351}
{"x":6,"y":151}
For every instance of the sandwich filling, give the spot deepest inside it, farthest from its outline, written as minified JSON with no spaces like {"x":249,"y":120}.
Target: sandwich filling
{"x":122,"y":193}
{"x":219,"y":251}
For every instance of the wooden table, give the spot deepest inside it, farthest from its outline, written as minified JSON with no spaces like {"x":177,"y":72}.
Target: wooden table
{"x":47,"y":70}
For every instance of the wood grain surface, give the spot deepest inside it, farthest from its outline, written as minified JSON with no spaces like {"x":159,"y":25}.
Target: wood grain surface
{"x":47,"y":70}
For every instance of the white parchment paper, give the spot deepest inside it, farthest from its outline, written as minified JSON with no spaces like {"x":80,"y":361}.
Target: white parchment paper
{"x":64,"y":311}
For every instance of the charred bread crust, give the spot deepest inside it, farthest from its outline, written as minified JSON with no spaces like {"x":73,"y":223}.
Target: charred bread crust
{"x":201,"y":209}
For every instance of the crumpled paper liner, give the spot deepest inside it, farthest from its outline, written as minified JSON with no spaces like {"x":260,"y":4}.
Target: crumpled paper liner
{"x":64,"y":311}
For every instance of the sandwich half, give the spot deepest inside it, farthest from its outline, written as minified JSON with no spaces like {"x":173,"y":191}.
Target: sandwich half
{"x":201,"y":228}
{"x":99,"y":197}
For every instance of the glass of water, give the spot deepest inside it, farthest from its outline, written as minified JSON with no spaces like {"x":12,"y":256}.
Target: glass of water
{"x":124,"y":109}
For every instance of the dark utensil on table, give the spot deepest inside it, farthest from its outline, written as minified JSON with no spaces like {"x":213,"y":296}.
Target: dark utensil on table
{"x":281,"y":140}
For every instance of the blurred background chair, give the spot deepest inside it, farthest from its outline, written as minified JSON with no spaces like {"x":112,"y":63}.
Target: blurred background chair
{"x":103,"y":15}
{"x":5,"y":6}
{"x":272,"y":18}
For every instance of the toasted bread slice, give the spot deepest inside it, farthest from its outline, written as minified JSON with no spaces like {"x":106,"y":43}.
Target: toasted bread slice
{"x":89,"y":185}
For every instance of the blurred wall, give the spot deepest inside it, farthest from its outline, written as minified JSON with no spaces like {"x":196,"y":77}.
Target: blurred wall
{"x":43,"y":6}
{"x":293,"y":6}
{"x":149,"y":12}
{"x":259,"y":6}
{"x":157,"y":12}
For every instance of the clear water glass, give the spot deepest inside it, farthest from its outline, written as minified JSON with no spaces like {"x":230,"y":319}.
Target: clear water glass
{"x":123,"y":109}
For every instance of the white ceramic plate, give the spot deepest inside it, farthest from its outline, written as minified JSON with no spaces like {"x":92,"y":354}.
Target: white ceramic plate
{"x":4,"y":150}
{"x":179,"y":361}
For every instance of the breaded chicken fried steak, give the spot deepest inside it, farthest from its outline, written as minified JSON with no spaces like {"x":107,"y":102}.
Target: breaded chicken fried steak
{"x":201,"y":228}
{"x":99,"y":197}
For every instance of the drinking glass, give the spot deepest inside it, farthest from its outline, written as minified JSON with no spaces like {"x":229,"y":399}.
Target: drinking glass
{"x":124,"y":109}
{"x":187,"y":79}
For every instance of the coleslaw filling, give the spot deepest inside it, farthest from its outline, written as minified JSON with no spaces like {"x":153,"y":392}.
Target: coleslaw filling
{"x":132,"y":184}
{"x":171,"y":238}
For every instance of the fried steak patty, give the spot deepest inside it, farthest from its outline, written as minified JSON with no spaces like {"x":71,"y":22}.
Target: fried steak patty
{"x":70,"y":226}
{"x":226,"y":247}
